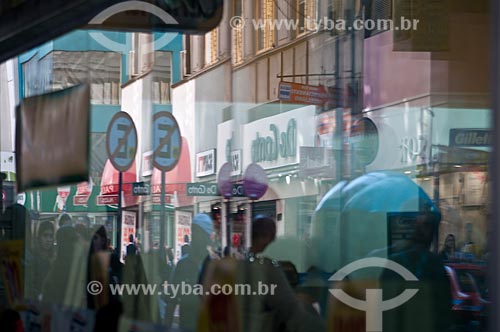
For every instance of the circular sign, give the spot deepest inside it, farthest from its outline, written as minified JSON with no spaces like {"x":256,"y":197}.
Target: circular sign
{"x":255,"y":181}
{"x":224,"y":180}
{"x":121,"y":141}
{"x":4,"y":196}
{"x":364,"y":140}
{"x":167,"y":141}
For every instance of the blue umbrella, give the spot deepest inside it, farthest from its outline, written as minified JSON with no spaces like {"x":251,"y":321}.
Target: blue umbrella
{"x":351,"y":219}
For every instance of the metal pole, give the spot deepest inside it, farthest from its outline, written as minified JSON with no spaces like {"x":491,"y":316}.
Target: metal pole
{"x":162,"y":212}
{"x":228,"y":227}
{"x":119,"y":217}
{"x":494,"y":260}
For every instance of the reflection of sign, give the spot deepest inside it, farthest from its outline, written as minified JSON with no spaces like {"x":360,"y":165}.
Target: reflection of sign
{"x":316,"y":162}
{"x":202,"y":189}
{"x":107,"y":200}
{"x":401,"y":227}
{"x":83,"y":191}
{"x":255,"y":181}
{"x":224,"y":180}
{"x":291,"y":128}
{"x":121,"y":141}
{"x":167,"y":142}
{"x":374,"y":313}
{"x":140,"y":189}
{"x":280,"y":144}
{"x":413,"y":148}
{"x":295,"y":93}
{"x":238,"y":190}
{"x":205,"y":163}
{"x":471,"y":137}
{"x":80,"y":200}
{"x":235,"y":160}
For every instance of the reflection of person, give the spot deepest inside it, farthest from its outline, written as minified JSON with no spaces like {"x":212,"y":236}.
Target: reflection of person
{"x":188,"y":271}
{"x":276,"y":310}
{"x":65,"y":220}
{"x":430,"y":309}
{"x":263,"y":233}
{"x":98,"y":263}
{"x":449,"y":249}
{"x":131,"y":247}
{"x":43,"y":254}
{"x":65,"y":282}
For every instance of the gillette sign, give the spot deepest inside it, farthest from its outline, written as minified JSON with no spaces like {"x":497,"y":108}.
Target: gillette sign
{"x":471,"y":137}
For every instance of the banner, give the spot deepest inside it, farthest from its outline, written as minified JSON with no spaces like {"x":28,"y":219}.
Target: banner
{"x":53,"y":130}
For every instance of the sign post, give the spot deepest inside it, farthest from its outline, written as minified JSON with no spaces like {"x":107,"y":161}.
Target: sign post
{"x":121,"y":146}
{"x":255,"y":184}
{"x":226,"y":189}
{"x":167,"y":145}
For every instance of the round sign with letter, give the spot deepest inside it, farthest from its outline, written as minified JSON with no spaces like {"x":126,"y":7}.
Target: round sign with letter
{"x":167,"y":141}
{"x":255,"y":181}
{"x":121,"y":141}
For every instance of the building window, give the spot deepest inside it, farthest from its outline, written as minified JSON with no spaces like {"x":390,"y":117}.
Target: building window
{"x":237,"y":33}
{"x":38,"y":76}
{"x":162,"y":77}
{"x":265,"y":35}
{"x":377,"y":10}
{"x":212,"y":46}
{"x":100,"y":69}
{"x":306,"y":15}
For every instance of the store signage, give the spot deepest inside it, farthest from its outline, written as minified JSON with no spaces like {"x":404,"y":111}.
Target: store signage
{"x":471,"y":137}
{"x":235,"y":162}
{"x":84,"y":188}
{"x":80,"y":200}
{"x":280,"y":144}
{"x":205,"y":163}
{"x":238,"y":190}
{"x":167,"y":141}
{"x":107,"y":200}
{"x":202,"y":189}
{"x":255,"y":181}
{"x":140,"y":189}
{"x":413,"y":148}
{"x":296,"y":93}
{"x":224,"y":181}
{"x":121,"y":141}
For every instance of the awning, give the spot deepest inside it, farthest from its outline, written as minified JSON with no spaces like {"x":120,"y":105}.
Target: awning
{"x":175,"y":180}
{"x":109,"y":186}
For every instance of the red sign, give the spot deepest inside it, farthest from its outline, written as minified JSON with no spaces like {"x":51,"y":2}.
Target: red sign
{"x":80,"y":200}
{"x":83,"y":188}
{"x":296,"y":93}
{"x":107,"y":200}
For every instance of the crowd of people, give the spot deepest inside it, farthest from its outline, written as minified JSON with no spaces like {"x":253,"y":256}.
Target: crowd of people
{"x":68,"y":254}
